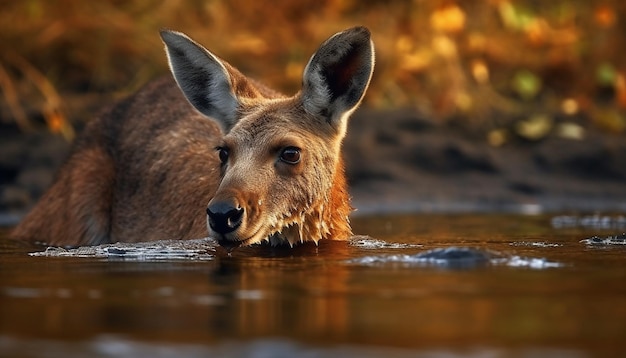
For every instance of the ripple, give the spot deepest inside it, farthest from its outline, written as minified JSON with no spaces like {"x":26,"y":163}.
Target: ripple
{"x":535,"y":244}
{"x":456,"y":258}
{"x":451,"y":257}
{"x":606,"y":240}
{"x":530,"y":262}
{"x":202,"y":249}
{"x":368,"y":243}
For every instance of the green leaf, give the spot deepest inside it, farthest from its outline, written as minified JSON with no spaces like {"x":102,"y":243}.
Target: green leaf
{"x":606,"y":74}
{"x":526,"y":84}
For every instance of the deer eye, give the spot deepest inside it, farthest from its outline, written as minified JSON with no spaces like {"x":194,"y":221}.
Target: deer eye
{"x":222,"y":152}
{"x":290,"y":155}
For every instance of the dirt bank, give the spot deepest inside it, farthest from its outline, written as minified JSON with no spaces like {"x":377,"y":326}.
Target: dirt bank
{"x":400,"y":161}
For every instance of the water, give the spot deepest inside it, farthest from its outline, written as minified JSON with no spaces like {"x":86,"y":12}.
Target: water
{"x":419,"y":286}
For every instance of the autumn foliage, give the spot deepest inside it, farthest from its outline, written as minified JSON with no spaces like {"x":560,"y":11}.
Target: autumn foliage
{"x":502,"y":66}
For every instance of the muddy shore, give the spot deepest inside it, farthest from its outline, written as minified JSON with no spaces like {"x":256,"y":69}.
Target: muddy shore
{"x":398,"y":161}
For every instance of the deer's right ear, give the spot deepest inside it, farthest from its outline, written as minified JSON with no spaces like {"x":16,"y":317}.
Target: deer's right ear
{"x":202,"y":77}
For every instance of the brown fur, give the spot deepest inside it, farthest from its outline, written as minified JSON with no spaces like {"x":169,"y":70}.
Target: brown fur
{"x":146,"y":168}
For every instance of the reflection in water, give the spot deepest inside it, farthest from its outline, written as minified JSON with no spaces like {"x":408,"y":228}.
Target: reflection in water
{"x":281,"y":294}
{"x":111,"y":346}
{"x":326,"y":300}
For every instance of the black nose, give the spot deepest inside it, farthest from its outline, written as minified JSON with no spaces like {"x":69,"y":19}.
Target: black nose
{"x":224,"y":217}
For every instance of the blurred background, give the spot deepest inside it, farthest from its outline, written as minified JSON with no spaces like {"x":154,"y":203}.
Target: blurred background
{"x":524,"y":101}
{"x":483,"y":61}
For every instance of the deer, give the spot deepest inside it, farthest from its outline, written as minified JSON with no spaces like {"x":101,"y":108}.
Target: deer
{"x":209,"y":152}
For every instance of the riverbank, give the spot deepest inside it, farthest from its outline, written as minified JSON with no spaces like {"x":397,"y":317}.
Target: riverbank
{"x":399,"y":161}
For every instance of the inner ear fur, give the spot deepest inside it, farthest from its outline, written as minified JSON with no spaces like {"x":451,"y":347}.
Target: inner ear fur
{"x":338,"y":74}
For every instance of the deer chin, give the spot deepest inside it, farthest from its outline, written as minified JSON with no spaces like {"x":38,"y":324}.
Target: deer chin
{"x":290,"y":229}
{"x":248,"y":234}
{"x":299,"y":227}
{"x":232,"y":241}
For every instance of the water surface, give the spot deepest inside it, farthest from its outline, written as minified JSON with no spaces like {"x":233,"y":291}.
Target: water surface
{"x":539,"y":289}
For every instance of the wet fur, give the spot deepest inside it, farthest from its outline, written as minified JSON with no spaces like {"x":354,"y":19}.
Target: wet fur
{"x":146,"y":168}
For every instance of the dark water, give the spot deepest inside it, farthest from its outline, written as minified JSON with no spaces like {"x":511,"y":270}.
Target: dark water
{"x":533,"y":289}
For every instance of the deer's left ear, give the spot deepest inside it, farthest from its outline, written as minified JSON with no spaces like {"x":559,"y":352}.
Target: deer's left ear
{"x":337,"y":76}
